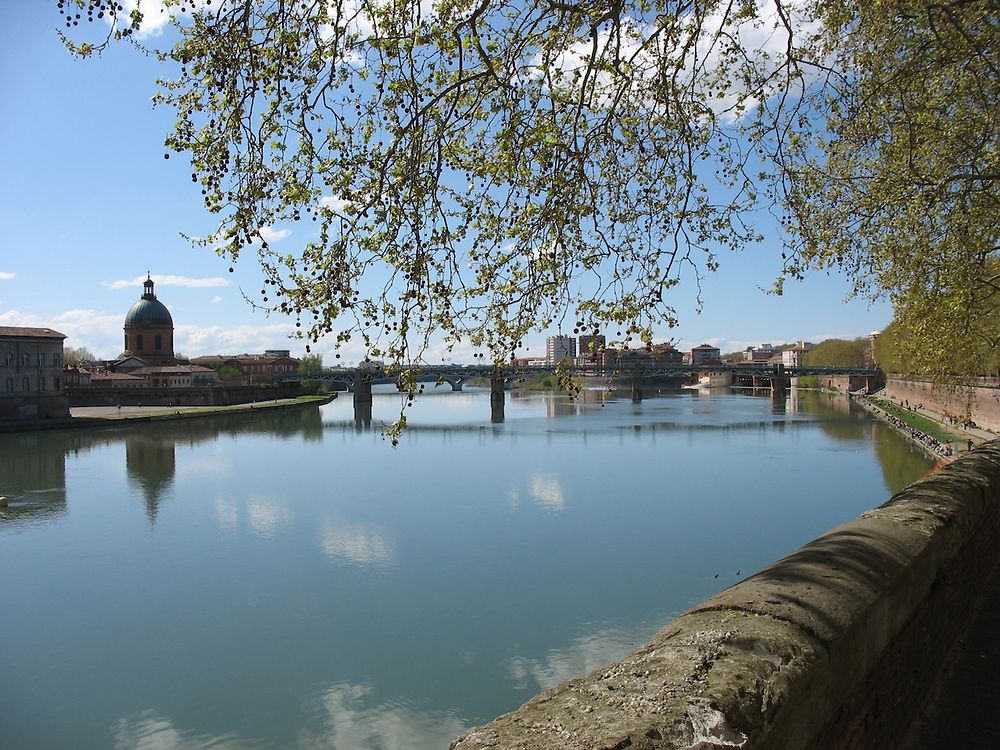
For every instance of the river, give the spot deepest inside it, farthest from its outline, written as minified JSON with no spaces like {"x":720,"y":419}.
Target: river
{"x":289,"y":580}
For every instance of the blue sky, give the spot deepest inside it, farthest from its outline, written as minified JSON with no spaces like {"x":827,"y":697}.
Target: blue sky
{"x":88,"y":204}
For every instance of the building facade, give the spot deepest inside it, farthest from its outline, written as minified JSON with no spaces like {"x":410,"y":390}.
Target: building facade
{"x":31,"y":374}
{"x":705,"y":353}
{"x":590,"y":349}
{"x":558,"y":348}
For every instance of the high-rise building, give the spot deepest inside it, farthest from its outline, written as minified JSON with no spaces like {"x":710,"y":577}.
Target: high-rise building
{"x":558,"y":348}
{"x":591,"y":348}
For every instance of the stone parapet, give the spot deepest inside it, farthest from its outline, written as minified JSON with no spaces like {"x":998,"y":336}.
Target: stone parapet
{"x":835,"y":645}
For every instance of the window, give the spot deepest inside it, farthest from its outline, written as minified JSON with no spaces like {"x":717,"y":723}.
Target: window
{"x":55,"y":359}
{"x":25,"y":383}
{"x":41,"y":384}
{"x":58,"y":384}
{"x":138,"y":342}
{"x":10,"y":385}
{"x":41,"y":360}
{"x":24,"y":360}
{"x":9,"y":359}
{"x":158,"y":342}
{"x":126,"y":341}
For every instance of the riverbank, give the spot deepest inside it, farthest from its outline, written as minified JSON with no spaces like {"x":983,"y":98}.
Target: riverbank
{"x":931,"y":431}
{"x":103,"y":416}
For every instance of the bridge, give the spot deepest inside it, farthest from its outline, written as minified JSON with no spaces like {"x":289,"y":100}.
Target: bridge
{"x":360,"y":380}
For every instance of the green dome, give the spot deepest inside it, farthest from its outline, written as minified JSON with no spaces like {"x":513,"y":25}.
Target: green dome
{"x":148,"y":312}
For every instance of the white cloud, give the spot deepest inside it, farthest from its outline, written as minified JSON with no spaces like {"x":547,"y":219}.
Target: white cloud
{"x":583,"y":655}
{"x":94,"y":329}
{"x":151,"y":731}
{"x":361,"y":545}
{"x":7,"y":275}
{"x":269,"y":234}
{"x":337,"y":205}
{"x":355,"y":720}
{"x":216,"y":299}
{"x":155,"y":15}
{"x":195,"y":340}
{"x":265,"y":515}
{"x":547,"y":491}
{"x":168,"y":280}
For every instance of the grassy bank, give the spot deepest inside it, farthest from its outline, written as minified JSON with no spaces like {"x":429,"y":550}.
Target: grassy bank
{"x":919,"y":422}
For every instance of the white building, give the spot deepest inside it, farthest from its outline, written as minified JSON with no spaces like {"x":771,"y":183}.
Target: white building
{"x":795,"y":356}
{"x":558,"y":348}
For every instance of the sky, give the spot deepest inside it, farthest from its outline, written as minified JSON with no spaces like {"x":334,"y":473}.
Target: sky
{"x":89,"y":205}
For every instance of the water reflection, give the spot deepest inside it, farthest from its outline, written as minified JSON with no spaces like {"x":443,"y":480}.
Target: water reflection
{"x":150,"y":731}
{"x":547,"y":491}
{"x":585,"y":654}
{"x":357,"y":544}
{"x":150,"y":464}
{"x":353,"y":720}
{"x":266,"y":515}
{"x":33,"y":464}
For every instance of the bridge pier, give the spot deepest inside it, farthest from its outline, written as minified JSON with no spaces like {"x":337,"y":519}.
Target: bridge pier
{"x":456,"y":384}
{"x":362,"y":400}
{"x":497,"y":382}
{"x":636,"y":387}
{"x":779,"y":388}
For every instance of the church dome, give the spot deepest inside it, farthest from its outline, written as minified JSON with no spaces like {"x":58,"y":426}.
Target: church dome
{"x":148,"y":311}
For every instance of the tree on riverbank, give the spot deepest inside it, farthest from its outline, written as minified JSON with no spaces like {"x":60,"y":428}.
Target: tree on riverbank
{"x":838,"y":353}
{"x":483,"y":169}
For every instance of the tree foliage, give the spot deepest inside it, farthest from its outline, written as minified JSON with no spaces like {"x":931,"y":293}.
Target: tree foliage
{"x":838,"y":353}
{"x":311,"y":364}
{"x":483,"y":168}
{"x":74,"y":355}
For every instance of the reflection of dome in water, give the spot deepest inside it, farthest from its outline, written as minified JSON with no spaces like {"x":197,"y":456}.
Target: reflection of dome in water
{"x":150,"y":466}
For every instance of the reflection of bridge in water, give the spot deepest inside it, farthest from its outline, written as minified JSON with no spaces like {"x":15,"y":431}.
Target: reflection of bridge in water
{"x":359,"y":381}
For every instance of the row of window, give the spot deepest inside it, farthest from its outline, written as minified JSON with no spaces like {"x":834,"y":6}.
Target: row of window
{"x":26,"y":359}
{"x":157,"y":342}
{"x":26,"y":385}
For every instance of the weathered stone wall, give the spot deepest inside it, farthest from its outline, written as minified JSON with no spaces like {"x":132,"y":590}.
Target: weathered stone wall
{"x":835,"y":646}
{"x":984,"y":402}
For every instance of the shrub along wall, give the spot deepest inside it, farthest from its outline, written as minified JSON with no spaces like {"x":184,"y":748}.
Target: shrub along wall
{"x":836,"y":645}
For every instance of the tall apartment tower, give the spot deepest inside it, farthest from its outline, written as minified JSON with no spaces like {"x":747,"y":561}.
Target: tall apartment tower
{"x":591,"y":347}
{"x":558,"y":348}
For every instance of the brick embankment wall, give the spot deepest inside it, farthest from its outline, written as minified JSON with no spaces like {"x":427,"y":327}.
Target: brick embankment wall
{"x":195,"y":396}
{"x":835,"y":646}
{"x":984,"y":402}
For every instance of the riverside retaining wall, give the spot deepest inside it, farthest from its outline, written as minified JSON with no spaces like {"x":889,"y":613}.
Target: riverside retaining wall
{"x":218,"y":395}
{"x":983,"y":402}
{"x":834,"y":646}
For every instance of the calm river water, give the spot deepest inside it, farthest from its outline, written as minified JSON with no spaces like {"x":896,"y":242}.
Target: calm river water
{"x":289,"y":581}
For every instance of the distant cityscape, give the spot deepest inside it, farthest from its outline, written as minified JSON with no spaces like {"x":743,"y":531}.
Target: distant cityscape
{"x":35,"y":375}
{"x":594,"y":351}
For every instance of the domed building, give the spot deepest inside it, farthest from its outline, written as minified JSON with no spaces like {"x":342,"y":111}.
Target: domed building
{"x":149,"y":329}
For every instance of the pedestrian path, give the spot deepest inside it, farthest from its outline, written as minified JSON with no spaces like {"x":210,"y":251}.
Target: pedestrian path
{"x":976,"y":434}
